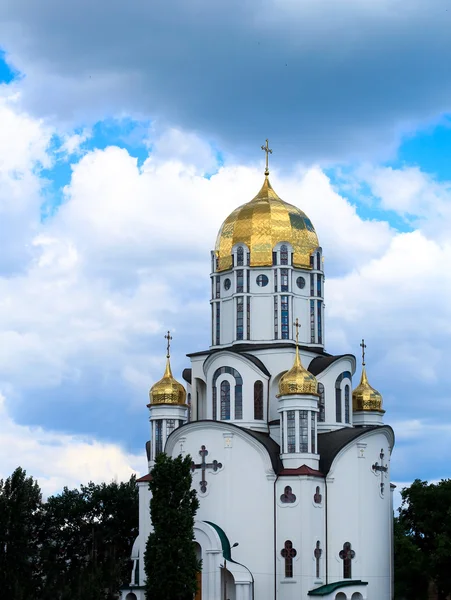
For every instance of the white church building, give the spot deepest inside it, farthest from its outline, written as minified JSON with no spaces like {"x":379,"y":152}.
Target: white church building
{"x":291,"y":467}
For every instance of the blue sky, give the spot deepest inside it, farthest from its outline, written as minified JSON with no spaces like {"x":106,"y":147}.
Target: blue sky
{"x":121,"y":156}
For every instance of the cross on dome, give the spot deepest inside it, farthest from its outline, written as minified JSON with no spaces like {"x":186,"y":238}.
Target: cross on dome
{"x":268,"y":151}
{"x":363,"y":346}
{"x":297,"y":325}
{"x":168,"y":337}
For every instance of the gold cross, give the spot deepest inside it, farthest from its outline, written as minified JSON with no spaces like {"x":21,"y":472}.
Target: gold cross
{"x":297,"y":325}
{"x":168,"y":337}
{"x":268,"y":151}
{"x":363,"y":346}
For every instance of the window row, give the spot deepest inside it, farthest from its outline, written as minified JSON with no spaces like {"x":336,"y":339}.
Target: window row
{"x":161,"y":430}
{"x":342,"y":400}
{"x":288,"y":553}
{"x":283,"y":256}
{"x":298,"y":431}
{"x":225,"y":396}
{"x":281,"y":282}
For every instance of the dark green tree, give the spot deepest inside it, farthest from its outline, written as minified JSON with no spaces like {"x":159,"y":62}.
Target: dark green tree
{"x":170,"y":560}
{"x":20,"y":514}
{"x":86,"y":541}
{"x":425,"y":516}
{"x":411,"y":581}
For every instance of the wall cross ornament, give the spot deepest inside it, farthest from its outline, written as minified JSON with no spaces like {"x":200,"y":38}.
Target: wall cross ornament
{"x":382,"y":469}
{"x":317,"y":554}
{"x":203,"y":466}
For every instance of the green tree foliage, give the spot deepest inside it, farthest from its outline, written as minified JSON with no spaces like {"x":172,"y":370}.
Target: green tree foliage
{"x":75,"y":546}
{"x":87,"y":536}
{"x":20,"y":511}
{"x":411,"y":581}
{"x":425,"y":517}
{"x":170,"y":560}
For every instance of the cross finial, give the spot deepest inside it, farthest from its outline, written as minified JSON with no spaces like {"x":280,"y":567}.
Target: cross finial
{"x":268,"y":151}
{"x":363,"y":346}
{"x":297,"y":325}
{"x":168,"y":337}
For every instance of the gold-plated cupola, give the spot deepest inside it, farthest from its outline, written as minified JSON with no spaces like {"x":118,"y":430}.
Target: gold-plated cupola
{"x":365,"y":397}
{"x":298,"y":380}
{"x":168,"y":390}
{"x":261,"y":224}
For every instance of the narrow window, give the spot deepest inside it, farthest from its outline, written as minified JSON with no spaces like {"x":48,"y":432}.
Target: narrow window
{"x":248,"y":281}
{"x":240,"y":256}
{"x":189,"y":407}
{"x":284,"y":280}
{"x":320,"y":322}
{"x":158,"y":437}
{"x":258,"y":400}
{"x":291,"y":432}
{"x":283,"y":255}
{"x":218,"y":323}
{"x":338,"y":416}
{"x":225,"y":400}
{"x":321,"y":404}
{"x":318,"y":286}
{"x":170,"y":426}
{"x":248,"y":258}
{"x":312,"y":284}
{"x":239,"y":280}
{"x":214,"y":403}
{"x":274,"y":258}
{"x":288,"y":553}
{"x":218,"y":287}
{"x":312,"y":321}
{"x":346,"y":555}
{"x":317,"y":554}
{"x":311,"y":261}
{"x":276,"y":318}
{"x":347,"y":411}
{"x":318,"y":261}
{"x":238,"y":395}
{"x":239,"y":318}
{"x":313,"y":432}
{"x":248,"y":312}
{"x":275,"y":280}
{"x":303,"y":431}
{"x":284,"y":317}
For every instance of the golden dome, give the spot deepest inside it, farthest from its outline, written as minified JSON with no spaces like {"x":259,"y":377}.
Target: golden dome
{"x":298,"y":380}
{"x":168,"y":390}
{"x":365,"y":397}
{"x":261,"y":224}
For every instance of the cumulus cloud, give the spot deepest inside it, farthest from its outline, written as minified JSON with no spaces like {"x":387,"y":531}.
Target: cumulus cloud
{"x":324,"y":80}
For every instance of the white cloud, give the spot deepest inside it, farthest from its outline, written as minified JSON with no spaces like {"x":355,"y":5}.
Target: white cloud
{"x":56,"y":460}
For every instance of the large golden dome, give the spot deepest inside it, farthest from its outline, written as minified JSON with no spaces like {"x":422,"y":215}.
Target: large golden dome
{"x":298,"y":380}
{"x":261,"y":224}
{"x":168,"y":390}
{"x":365,"y":397}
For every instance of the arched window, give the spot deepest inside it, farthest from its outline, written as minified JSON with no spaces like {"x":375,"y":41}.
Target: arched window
{"x":258,"y":400}
{"x":346,"y":555}
{"x":283,"y":255}
{"x":288,"y":553}
{"x":240,"y":256}
{"x":347,"y":409}
{"x":189,"y":407}
{"x":130,"y":596}
{"x":225,"y":400}
{"x":321,"y":404}
{"x":338,"y":396}
{"x":238,"y":393}
{"x":318,"y":261}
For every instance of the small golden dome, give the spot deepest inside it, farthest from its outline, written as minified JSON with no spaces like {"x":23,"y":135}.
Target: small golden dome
{"x":261,"y":224}
{"x":365,"y":397}
{"x":298,"y":380}
{"x":168,"y":390}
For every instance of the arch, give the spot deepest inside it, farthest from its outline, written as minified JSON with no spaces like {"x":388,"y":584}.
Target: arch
{"x":283,"y":254}
{"x":131,"y":596}
{"x":340,"y":596}
{"x":356,"y":596}
{"x":346,"y":555}
{"x":240,"y":256}
{"x":258,"y":400}
{"x":321,"y":403}
{"x":338,"y":395}
{"x":225,"y":395}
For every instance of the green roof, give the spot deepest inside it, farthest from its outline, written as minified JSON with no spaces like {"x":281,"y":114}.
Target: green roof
{"x":323,"y":590}
{"x":226,"y":550}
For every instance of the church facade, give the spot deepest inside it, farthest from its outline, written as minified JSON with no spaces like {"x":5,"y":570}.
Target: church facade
{"x":291,"y":465}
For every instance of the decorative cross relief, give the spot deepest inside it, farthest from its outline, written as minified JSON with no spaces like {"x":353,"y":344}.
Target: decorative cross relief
{"x":382,"y":469}
{"x":317,"y":554}
{"x":317,"y":498}
{"x":203,"y":466}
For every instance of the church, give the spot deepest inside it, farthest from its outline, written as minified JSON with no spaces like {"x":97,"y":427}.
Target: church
{"x":290,"y":463}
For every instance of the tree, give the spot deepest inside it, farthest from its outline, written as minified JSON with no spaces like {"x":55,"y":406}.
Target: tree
{"x":425,"y":516}
{"x":20,"y":514}
{"x":170,"y":560}
{"x":86,"y":540}
{"x":411,"y":581}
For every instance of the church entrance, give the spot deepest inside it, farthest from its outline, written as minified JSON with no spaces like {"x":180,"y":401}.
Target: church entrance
{"x":198,"y":595}
{"x":228,"y":585}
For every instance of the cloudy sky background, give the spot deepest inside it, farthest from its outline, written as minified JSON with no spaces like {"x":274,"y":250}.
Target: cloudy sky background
{"x":128,"y":132}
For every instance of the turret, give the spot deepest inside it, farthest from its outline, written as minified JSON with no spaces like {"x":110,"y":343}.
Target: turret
{"x":366,"y":401}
